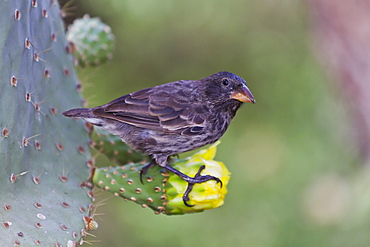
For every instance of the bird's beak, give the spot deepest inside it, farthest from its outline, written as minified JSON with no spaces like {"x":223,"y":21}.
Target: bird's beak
{"x":243,"y":94}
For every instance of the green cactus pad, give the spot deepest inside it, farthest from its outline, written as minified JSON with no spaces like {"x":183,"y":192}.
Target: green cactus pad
{"x":124,"y":181}
{"x":92,"y":41}
{"x":43,"y":155}
{"x":115,"y":149}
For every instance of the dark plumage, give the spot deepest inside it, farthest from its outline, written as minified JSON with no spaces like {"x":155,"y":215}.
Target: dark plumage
{"x":172,"y":118}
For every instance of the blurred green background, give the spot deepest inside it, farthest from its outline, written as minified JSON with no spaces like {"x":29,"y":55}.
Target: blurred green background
{"x":296,"y":176}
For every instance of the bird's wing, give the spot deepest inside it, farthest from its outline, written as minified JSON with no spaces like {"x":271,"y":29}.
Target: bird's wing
{"x":131,"y":109}
{"x":178,"y":111}
{"x":168,"y":109}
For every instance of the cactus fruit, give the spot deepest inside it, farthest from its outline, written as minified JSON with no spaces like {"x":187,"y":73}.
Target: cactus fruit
{"x":162,"y":191}
{"x":43,"y":155}
{"x":92,"y":41}
{"x":114,"y":149}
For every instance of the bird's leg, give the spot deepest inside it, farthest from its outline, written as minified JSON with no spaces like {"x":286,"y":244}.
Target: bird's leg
{"x":145,"y":169}
{"x":197,"y":179}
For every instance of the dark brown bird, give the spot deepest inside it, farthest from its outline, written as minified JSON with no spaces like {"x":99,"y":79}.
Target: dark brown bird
{"x":173,"y":118}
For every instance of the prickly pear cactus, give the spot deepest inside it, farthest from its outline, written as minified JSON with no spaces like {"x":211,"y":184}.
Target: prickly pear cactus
{"x":44,"y":200}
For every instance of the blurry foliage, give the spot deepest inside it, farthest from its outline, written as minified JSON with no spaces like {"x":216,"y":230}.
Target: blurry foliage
{"x":280,"y":152}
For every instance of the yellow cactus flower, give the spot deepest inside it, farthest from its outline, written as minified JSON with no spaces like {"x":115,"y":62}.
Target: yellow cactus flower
{"x":203,"y":196}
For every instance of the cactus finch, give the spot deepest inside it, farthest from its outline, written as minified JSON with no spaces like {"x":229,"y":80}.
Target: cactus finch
{"x":172,"y":118}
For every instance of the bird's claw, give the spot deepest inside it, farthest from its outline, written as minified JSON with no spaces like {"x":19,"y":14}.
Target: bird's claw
{"x":197,"y":179}
{"x":144,"y":170}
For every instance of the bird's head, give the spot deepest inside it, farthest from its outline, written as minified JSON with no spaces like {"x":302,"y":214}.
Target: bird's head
{"x":225,"y":86}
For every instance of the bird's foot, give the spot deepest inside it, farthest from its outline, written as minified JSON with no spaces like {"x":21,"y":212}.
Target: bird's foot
{"x":197,"y":179}
{"x":145,"y":169}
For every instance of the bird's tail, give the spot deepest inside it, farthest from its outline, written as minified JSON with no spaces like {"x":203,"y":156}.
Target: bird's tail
{"x":79,"y":113}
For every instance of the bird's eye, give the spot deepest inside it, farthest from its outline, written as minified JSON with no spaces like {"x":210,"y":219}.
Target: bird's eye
{"x":225,"y":82}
